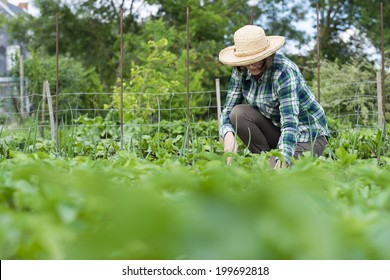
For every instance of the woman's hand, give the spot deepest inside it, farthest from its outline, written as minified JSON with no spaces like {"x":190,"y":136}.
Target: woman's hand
{"x":230,"y":145}
{"x":276,"y":163}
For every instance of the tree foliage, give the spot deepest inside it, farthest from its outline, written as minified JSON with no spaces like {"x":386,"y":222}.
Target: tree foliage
{"x":73,"y":78}
{"x":154,"y":82}
{"x":89,"y":33}
{"x":348,"y":92}
{"x":335,"y":18}
{"x":368,"y":21}
{"x":85,"y":33}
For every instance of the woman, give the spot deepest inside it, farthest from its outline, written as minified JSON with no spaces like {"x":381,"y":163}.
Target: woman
{"x":268,"y":104}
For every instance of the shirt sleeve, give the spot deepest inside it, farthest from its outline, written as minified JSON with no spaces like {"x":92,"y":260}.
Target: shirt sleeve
{"x":289,"y":111}
{"x":234,"y":97}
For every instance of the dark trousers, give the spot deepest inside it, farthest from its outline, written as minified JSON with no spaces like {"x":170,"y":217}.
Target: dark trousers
{"x":260,"y":135}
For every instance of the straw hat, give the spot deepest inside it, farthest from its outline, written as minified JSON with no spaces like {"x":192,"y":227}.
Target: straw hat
{"x":250,"y":45}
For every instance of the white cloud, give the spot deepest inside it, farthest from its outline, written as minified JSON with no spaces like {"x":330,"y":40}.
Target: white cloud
{"x":370,"y":50}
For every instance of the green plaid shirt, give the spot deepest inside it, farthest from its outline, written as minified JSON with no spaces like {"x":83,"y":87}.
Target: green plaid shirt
{"x":281,"y":95}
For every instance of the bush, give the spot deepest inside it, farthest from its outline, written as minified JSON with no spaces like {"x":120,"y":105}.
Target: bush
{"x":348,"y":92}
{"x":73,"y":78}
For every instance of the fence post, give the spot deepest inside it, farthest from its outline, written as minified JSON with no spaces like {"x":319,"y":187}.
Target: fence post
{"x":121,"y":77}
{"x":43,"y":110}
{"x":379,"y":98}
{"x":318,"y":58}
{"x":218,"y":95}
{"x":188,"y":76}
{"x":383,"y":75}
{"x":57,"y":98}
{"x":50,"y":105}
{"x":21,"y":80}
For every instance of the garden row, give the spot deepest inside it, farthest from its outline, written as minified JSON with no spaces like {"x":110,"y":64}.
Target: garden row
{"x":193,"y":207}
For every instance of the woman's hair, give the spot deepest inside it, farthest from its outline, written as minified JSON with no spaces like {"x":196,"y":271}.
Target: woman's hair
{"x":240,"y":68}
{"x":268,"y":63}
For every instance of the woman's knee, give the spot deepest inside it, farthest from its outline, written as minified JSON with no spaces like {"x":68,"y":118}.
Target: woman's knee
{"x":237,"y":113}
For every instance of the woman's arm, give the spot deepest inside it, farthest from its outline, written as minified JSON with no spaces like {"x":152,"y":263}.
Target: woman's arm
{"x":289,"y":111}
{"x":234,"y":97}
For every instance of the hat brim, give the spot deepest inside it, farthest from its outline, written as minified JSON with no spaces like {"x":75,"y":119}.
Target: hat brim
{"x":226,"y":56}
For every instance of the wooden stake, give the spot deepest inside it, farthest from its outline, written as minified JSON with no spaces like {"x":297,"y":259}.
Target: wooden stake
{"x":43,"y":110}
{"x":379,"y":98}
{"x":121,"y":75}
{"x":188,"y":77}
{"x":50,"y":105}
{"x":218,"y":96}
{"x":383,"y":79}
{"x":318,"y":58}
{"x":57,"y":143}
{"x":188,"y":66}
{"x":21,"y":80}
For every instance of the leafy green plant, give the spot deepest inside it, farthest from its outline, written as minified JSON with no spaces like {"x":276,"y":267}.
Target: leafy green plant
{"x":193,"y":207}
{"x":348,"y":92}
{"x":153,"y":83}
{"x":74,"y":79}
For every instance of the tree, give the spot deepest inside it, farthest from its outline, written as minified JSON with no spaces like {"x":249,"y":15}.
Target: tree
{"x":211,"y":23}
{"x":348,"y":92}
{"x":73,"y":79}
{"x":154,"y":83}
{"x":358,"y":20}
{"x":368,"y":21}
{"x":335,"y":18}
{"x":88,"y":31}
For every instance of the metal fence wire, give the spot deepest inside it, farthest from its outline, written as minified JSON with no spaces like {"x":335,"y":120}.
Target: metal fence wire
{"x":355,"y":110}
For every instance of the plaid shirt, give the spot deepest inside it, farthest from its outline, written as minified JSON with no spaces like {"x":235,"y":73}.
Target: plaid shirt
{"x":281,"y":95}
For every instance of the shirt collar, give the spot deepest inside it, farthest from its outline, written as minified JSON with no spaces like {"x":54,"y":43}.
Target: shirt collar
{"x":263,"y":77}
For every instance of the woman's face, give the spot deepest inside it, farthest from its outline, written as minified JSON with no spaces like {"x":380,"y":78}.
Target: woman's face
{"x":255,"y":68}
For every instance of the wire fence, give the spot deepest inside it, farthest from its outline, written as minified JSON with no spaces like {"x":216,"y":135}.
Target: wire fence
{"x":352,"y":105}
{"x":157,"y":111}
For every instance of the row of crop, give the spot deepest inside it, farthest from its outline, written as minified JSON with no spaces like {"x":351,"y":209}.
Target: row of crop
{"x":193,"y":207}
{"x":97,"y":139}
